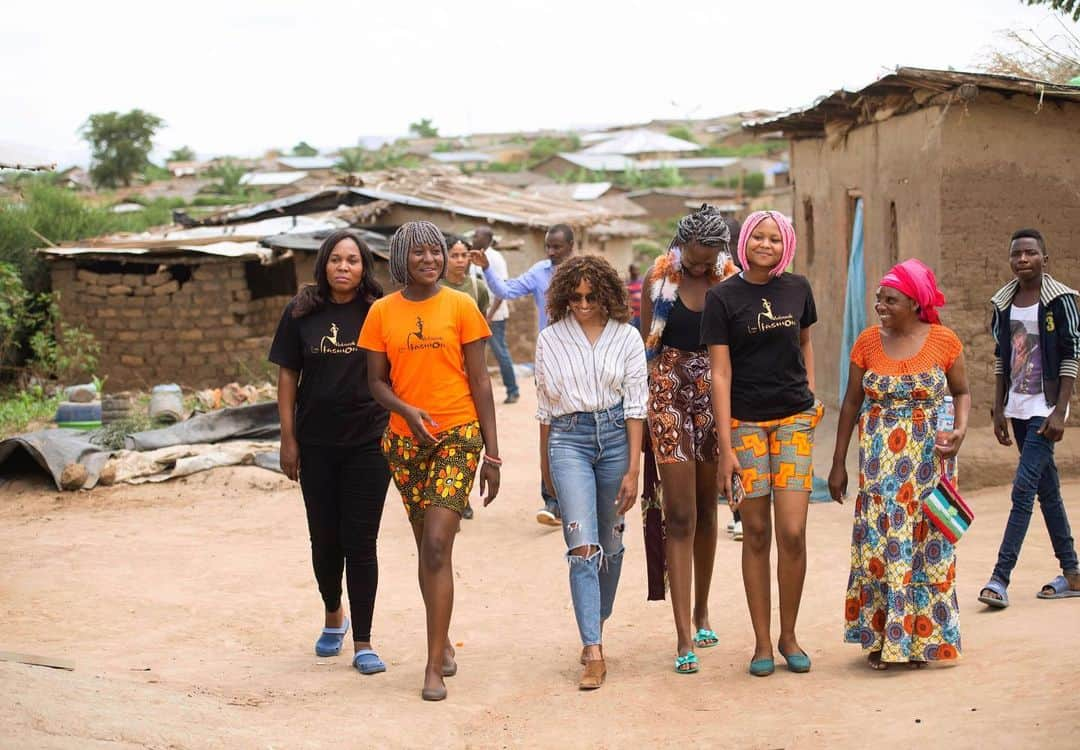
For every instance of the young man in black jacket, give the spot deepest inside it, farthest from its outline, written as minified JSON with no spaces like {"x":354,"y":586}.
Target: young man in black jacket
{"x":1036,"y":329}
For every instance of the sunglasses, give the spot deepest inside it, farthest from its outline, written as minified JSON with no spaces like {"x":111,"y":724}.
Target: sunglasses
{"x":577,"y":299}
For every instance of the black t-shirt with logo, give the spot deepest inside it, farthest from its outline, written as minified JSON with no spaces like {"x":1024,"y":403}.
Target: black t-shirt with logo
{"x":761,"y":323}
{"x":333,"y":403}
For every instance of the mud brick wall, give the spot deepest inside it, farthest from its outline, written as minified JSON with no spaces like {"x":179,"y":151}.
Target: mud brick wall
{"x":947,"y":188}
{"x":196,"y":325}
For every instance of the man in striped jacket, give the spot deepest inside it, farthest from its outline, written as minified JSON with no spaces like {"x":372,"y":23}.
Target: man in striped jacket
{"x":1036,"y":330}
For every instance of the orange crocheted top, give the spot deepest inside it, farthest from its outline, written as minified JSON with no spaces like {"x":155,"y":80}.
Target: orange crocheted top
{"x":940,"y":349}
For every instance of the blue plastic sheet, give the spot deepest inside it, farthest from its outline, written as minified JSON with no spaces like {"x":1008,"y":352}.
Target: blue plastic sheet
{"x":854,"y":297}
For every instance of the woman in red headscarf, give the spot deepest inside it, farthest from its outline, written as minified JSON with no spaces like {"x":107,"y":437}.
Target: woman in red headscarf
{"x":901,"y":605}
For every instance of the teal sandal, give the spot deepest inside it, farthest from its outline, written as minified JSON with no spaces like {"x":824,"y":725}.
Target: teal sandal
{"x":687,"y":664}
{"x":799,"y":662}
{"x":762,"y":667}
{"x":705,"y":638}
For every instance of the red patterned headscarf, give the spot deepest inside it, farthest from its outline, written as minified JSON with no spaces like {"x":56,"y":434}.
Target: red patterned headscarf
{"x":915,"y":279}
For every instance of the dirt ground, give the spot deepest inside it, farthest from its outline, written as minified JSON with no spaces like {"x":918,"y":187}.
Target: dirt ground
{"x":190,"y":610}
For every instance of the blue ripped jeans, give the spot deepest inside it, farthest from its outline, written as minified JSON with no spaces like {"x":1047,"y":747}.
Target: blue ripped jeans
{"x":589,"y":456}
{"x":1035,"y":475}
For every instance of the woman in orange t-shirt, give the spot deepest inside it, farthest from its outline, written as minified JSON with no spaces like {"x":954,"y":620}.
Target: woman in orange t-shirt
{"x":426,"y":365}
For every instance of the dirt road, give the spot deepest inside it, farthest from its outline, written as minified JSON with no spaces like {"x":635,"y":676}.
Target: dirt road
{"x":190,"y":610}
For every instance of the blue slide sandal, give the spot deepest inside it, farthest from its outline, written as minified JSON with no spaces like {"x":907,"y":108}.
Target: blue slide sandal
{"x":367,"y":661}
{"x":998,"y":588}
{"x":1059,"y":589}
{"x":329,"y":643}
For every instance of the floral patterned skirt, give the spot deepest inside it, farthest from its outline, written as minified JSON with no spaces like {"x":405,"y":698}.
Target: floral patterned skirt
{"x":901,"y":597}
{"x":439,"y":474}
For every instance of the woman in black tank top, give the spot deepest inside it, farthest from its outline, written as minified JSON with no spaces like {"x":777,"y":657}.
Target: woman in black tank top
{"x":683,"y":330}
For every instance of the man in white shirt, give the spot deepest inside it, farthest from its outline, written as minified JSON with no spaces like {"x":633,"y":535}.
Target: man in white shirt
{"x":498,"y":312}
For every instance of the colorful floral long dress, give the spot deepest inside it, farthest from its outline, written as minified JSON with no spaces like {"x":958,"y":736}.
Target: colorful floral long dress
{"x":901,"y":599}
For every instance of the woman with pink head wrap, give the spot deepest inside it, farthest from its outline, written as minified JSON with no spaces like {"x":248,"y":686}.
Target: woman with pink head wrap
{"x":901,"y":605}
{"x":757,"y":328}
{"x":914,"y":279}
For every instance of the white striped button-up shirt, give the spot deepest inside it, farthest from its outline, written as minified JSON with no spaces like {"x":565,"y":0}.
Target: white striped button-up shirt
{"x":573,"y":375}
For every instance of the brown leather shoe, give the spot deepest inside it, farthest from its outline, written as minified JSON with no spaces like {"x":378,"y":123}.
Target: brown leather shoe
{"x":593,"y":676}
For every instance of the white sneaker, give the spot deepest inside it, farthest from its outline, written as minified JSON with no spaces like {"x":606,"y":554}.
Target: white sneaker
{"x":736,"y":532}
{"x":731,"y":526}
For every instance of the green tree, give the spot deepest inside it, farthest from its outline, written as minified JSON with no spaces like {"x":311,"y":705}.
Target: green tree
{"x":229,"y":174}
{"x":184,"y":153}
{"x":303,"y":148}
{"x":40,"y":213}
{"x":682,"y":132}
{"x":424,"y":128}
{"x":350,"y":160}
{"x":545,"y":147}
{"x":752,"y":183}
{"x":120,"y":144}
{"x":1064,"y":6}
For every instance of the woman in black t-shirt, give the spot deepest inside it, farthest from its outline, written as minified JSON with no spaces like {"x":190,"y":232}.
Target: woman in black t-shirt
{"x":757,"y":327}
{"x":330,"y":432}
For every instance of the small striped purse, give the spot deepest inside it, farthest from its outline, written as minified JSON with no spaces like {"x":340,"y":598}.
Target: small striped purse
{"x":947,"y":510}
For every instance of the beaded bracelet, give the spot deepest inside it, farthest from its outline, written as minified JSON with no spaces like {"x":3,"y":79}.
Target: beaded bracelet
{"x":492,"y":460}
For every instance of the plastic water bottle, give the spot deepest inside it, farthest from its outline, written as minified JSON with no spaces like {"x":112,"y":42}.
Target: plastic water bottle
{"x":946,"y":423}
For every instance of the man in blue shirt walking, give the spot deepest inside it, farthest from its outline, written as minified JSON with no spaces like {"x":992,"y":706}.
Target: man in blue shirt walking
{"x":559,"y":244}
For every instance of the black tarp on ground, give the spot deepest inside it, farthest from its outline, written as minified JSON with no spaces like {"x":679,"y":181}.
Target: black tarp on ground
{"x":54,"y":449}
{"x":256,"y":421}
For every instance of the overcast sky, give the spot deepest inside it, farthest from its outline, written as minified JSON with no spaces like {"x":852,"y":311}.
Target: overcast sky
{"x":242,"y":76}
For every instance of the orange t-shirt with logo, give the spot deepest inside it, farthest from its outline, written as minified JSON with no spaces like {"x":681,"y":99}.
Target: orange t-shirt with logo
{"x":424,"y":342}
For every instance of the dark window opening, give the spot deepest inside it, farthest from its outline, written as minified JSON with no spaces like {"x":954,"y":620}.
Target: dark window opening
{"x":808,"y":224}
{"x":178,"y":272}
{"x":275,"y":280}
{"x":894,"y":236}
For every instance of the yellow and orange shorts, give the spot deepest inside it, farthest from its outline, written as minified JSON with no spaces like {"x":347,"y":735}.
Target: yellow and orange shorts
{"x":439,"y":474}
{"x":777,"y":454}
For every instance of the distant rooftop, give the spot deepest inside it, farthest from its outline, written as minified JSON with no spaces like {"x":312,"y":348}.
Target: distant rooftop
{"x":629,"y":142}
{"x":599,"y":162}
{"x":306,"y":162}
{"x":15,"y":156}
{"x":578,"y":191}
{"x":269,"y":179}
{"x":460,"y":157}
{"x":716,"y":162}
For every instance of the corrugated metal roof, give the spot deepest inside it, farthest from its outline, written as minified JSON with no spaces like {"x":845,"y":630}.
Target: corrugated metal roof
{"x":17,"y":156}
{"x":577,"y":191}
{"x":235,"y":241}
{"x":641,"y":141}
{"x":270,"y":179}
{"x":306,"y":162}
{"x":687,"y":191}
{"x":895,"y":93}
{"x":459,"y":157}
{"x":599,"y":162}
{"x":236,"y":250}
{"x":311,"y":241}
{"x":440,"y":188}
{"x":704,"y":162}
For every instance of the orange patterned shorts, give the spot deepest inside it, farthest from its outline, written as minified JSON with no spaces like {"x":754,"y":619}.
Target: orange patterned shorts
{"x":439,"y":474}
{"x":777,"y":454}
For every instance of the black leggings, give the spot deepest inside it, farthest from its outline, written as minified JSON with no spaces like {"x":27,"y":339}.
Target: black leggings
{"x":344,"y":489}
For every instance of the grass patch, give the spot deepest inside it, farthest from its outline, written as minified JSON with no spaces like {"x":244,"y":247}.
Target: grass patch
{"x":21,"y":407}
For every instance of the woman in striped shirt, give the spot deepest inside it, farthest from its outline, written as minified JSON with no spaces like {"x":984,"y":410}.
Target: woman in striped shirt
{"x":592,"y":391}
